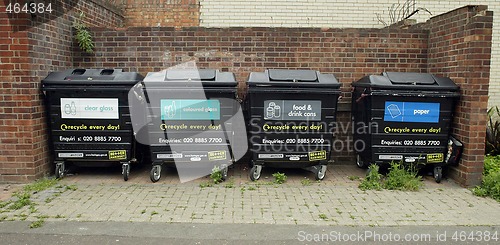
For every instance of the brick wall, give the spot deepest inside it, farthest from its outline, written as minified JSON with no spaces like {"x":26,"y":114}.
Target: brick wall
{"x":460,"y":47}
{"x":15,"y":99}
{"x":30,"y":48}
{"x":176,"y":13}
{"x":347,"y":53}
{"x":337,"y":14}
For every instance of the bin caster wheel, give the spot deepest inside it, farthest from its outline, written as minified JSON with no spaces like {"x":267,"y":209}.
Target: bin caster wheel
{"x":155,"y":173}
{"x":59,"y":170}
{"x":320,"y":174}
{"x":360,"y":162}
{"x":224,"y":172}
{"x":438,"y":174}
{"x":255,"y":172}
{"x":125,"y":171}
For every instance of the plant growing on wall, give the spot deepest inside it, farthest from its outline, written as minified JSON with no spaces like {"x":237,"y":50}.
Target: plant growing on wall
{"x":82,"y":35}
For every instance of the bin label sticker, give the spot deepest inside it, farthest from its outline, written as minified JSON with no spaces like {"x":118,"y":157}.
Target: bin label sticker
{"x":89,"y":108}
{"x":270,"y":156}
{"x":299,"y":110}
{"x":435,"y":158}
{"x":117,"y":155}
{"x":168,"y":156}
{"x":190,"y":109}
{"x":317,"y":155}
{"x":69,"y":155}
{"x":390,"y":157}
{"x":216,"y":155}
{"x":411,"y":112}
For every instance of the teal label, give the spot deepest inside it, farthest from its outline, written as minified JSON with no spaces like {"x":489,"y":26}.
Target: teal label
{"x":190,"y":109}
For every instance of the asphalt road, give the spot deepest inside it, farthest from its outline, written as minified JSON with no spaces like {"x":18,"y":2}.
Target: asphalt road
{"x":18,"y":232}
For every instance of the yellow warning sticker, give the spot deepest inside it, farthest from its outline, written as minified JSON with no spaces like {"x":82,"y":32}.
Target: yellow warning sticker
{"x":435,"y":157}
{"x":317,"y":155}
{"x":216,"y":155}
{"x":117,"y":155}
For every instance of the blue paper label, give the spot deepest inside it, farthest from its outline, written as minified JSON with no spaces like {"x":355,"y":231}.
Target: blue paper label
{"x":190,"y":110}
{"x":411,"y":112}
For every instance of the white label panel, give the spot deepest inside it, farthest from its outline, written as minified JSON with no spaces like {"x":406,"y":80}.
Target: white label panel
{"x":89,"y":108}
{"x":166,"y":156}
{"x":70,"y":154}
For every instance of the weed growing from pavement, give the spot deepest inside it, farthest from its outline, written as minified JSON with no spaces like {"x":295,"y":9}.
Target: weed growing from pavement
{"x":154,"y":213}
{"x":230,"y":183}
{"x":3,"y":204}
{"x":71,"y":187}
{"x":400,"y":177}
{"x":22,"y":217}
{"x":306,"y":182}
{"x":33,"y":209}
{"x":491,"y":179}
{"x":205,"y":184}
{"x":251,"y":188}
{"x":37,"y":224}
{"x":373,"y":179}
{"x":216,"y":175}
{"x":352,"y":177}
{"x":323,"y":216}
{"x":23,"y":199}
{"x":279,"y":178}
{"x":489,"y":187}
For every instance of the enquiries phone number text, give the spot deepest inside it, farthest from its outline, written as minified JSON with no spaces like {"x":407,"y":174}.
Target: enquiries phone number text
{"x":190,"y":140}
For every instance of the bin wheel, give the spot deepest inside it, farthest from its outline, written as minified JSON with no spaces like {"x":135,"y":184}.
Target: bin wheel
{"x":438,"y":174}
{"x":155,"y":173}
{"x":224,"y":172}
{"x":59,"y":170}
{"x":360,"y":162}
{"x":320,"y":174}
{"x":255,"y":172}
{"x":125,"y":171}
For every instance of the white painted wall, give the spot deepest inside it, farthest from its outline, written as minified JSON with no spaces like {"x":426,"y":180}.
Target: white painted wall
{"x":337,"y":14}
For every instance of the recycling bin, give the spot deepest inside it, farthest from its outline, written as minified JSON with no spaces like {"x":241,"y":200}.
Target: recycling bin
{"x":404,"y":117}
{"x":291,"y":117}
{"x":89,"y":118}
{"x":190,"y":121}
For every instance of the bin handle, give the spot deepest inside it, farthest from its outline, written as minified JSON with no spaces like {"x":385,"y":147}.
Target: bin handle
{"x":361,"y":97}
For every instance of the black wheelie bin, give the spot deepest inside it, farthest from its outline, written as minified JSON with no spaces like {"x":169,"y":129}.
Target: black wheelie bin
{"x":89,"y":118}
{"x":404,"y":117}
{"x":291,"y":116}
{"x":190,"y":116}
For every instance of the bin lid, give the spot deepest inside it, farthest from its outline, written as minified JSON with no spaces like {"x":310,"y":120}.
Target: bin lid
{"x":208,"y":77}
{"x":407,"y":81}
{"x":292,"y":78}
{"x":92,"y":77}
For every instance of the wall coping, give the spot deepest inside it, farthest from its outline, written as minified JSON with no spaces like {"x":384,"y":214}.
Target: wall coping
{"x":109,"y":6}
